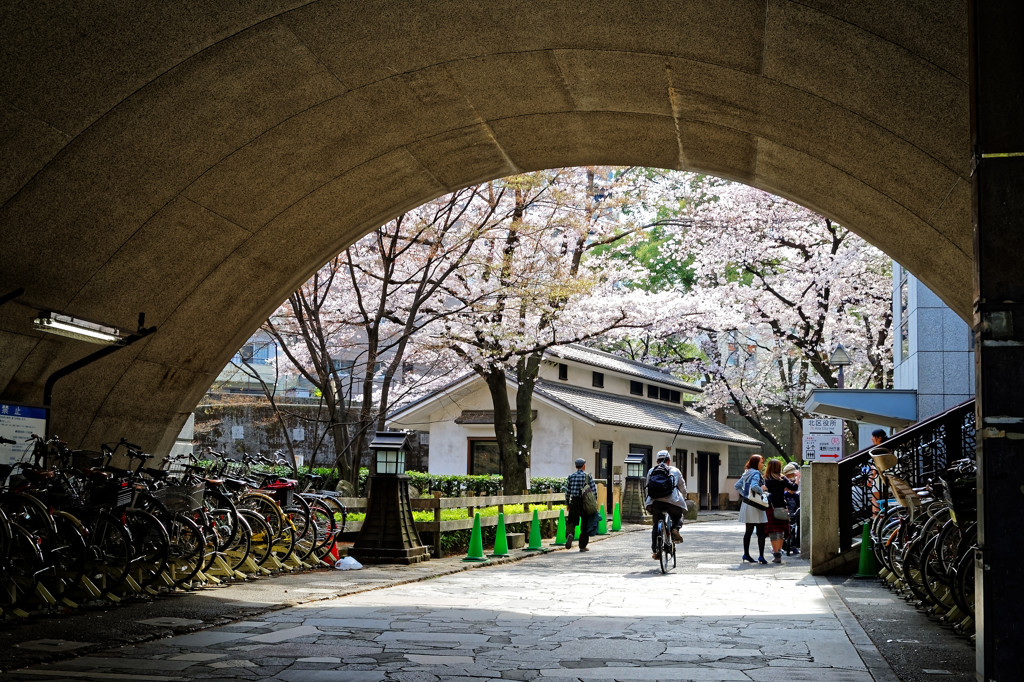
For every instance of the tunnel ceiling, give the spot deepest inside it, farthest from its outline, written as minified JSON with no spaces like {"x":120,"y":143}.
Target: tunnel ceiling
{"x":198,"y":161}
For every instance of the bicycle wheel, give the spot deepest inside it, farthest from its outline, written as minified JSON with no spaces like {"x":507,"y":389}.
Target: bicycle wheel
{"x":963,"y":582}
{"x":21,"y":564}
{"x":326,"y":529}
{"x":261,"y":535}
{"x":150,"y":542}
{"x":299,"y":513}
{"x":305,"y":545}
{"x":882,"y":537}
{"x":667,"y":550}
{"x":933,"y":572}
{"x":221,"y":510}
{"x":912,"y":569}
{"x":265,"y":506}
{"x":110,"y":553}
{"x":65,"y":556}
{"x":187,"y":548}
{"x":284,"y":543}
{"x":240,"y":548}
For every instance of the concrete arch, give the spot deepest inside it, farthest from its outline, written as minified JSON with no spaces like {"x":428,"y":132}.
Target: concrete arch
{"x":197,"y":162}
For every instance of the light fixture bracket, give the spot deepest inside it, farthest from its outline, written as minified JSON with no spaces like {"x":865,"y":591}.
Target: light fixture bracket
{"x":76,"y":328}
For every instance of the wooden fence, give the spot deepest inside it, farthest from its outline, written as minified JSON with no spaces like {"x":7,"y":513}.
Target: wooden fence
{"x":470,"y":503}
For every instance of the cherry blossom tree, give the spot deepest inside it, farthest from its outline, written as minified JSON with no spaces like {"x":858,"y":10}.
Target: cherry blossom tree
{"x":774,"y":288}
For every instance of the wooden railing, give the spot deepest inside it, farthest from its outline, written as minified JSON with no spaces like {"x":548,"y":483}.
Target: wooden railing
{"x":470,"y":503}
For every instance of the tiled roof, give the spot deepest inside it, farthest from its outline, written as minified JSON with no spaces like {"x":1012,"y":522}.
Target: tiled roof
{"x":614,"y":363}
{"x":603,"y":408}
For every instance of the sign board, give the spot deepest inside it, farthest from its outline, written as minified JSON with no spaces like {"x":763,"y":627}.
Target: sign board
{"x":823,"y":439}
{"x":18,"y":423}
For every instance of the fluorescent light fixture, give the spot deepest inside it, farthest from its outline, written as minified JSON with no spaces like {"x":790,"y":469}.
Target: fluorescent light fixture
{"x":74,"y":328}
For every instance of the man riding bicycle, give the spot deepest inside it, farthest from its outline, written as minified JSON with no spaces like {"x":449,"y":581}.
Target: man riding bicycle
{"x":665,"y":496}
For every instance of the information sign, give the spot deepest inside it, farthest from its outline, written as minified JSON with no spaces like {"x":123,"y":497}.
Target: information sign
{"x":823,"y":439}
{"x":18,"y":423}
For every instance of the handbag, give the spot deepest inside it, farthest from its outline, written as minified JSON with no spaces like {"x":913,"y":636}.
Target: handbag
{"x":589,"y":499}
{"x":756,"y":500}
{"x":780,"y":514}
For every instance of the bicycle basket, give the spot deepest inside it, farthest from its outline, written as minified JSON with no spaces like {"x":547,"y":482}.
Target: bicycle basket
{"x":86,"y":459}
{"x":280,"y":491}
{"x":111,"y":493}
{"x":181,"y":499}
{"x":961,"y":492}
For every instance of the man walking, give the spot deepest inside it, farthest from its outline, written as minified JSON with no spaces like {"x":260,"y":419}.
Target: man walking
{"x":575,"y":485}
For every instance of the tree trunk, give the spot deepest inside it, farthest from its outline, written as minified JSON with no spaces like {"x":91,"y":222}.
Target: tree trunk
{"x":513,"y":469}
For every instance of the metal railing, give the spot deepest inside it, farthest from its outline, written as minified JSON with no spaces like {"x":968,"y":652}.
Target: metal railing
{"x":923,"y":450}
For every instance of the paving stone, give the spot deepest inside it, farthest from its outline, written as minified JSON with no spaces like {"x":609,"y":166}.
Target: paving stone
{"x":285,"y":634}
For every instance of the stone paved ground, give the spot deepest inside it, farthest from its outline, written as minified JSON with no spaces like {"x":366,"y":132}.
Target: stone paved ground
{"x":608,"y":614}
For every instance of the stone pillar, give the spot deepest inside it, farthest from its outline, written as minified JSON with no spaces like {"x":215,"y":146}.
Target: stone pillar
{"x":997,"y":137}
{"x":389,"y":534}
{"x":632,"y":507}
{"x":819,"y":515}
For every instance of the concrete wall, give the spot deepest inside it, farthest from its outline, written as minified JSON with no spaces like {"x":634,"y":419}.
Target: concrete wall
{"x":939,"y":363}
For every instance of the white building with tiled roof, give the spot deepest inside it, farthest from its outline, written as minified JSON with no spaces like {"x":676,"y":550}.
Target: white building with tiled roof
{"x":587,"y":404}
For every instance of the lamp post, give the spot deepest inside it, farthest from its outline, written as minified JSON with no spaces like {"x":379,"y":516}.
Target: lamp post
{"x":389,"y":534}
{"x":633,"y":496}
{"x":840,"y":358}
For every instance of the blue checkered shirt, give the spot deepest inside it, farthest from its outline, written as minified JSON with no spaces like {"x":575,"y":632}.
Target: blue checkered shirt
{"x":575,"y":482}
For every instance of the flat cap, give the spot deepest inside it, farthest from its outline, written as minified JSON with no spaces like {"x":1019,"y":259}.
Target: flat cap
{"x":580,"y":462}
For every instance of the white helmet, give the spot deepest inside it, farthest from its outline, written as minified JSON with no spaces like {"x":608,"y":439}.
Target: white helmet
{"x":663,"y":456}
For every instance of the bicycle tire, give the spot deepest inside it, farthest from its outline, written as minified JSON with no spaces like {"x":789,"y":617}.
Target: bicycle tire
{"x":187,"y":550}
{"x":327,"y":530}
{"x":21,"y":565}
{"x":963,"y":582}
{"x":240,"y":548}
{"x":933,"y":573}
{"x":110,"y":552}
{"x":665,"y":542}
{"x":221,"y":509}
{"x":305,"y":545}
{"x":264,"y":505}
{"x":299,"y":513}
{"x":150,"y":544}
{"x":261,"y":536}
{"x":65,"y":557}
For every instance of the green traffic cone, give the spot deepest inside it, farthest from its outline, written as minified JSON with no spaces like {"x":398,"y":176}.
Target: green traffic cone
{"x":867,"y":568}
{"x":500,"y":539}
{"x":560,"y":532}
{"x":602,"y":522}
{"x":476,"y":542}
{"x":535,"y":534}
{"x":616,"y":518}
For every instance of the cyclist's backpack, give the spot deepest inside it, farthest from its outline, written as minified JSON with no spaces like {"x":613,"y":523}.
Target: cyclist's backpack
{"x":660,"y":483}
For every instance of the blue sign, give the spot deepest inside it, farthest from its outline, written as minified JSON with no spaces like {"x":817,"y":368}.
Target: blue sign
{"x":18,"y":423}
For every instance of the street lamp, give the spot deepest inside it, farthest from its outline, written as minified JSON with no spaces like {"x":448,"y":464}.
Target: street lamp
{"x":634,"y":494}
{"x":389,"y":534}
{"x":840,"y":358}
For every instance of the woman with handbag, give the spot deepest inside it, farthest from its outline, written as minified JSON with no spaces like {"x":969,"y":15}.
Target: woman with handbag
{"x":752,"y":507}
{"x":581,"y":497}
{"x":778,"y":514}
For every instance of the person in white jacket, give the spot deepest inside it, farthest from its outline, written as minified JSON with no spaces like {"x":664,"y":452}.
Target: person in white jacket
{"x":674,"y":502}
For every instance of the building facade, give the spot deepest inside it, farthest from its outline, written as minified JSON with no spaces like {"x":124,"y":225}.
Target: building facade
{"x":587,"y":404}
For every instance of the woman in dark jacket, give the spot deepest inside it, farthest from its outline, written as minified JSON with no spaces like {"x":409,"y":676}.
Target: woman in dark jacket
{"x":778,"y":521}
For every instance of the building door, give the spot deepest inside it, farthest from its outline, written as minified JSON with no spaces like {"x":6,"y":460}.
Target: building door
{"x":707,"y":479}
{"x":646,"y":451}
{"x":603,"y":470}
{"x":603,"y":465}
